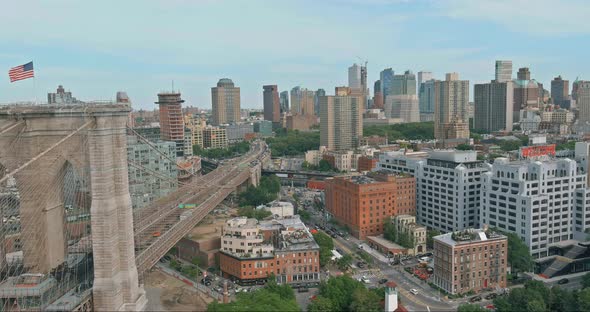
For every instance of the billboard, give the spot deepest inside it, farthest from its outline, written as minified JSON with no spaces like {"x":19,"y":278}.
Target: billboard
{"x":537,"y":150}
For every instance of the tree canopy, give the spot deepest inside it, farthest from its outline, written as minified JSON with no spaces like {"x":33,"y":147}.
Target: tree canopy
{"x":273,"y":297}
{"x":429,"y":238}
{"x":408,"y":131}
{"x":519,"y":256}
{"x":464,"y":147}
{"x":220,"y":153}
{"x":535,"y":296}
{"x":326,"y":244}
{"x":403,"y":238}
{"x":266,"y":192}
{"x":346,"y":294}
{"x":293,"y":142}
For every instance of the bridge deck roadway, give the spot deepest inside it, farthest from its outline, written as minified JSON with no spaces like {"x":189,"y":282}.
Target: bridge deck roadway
{"x":164,"y":215}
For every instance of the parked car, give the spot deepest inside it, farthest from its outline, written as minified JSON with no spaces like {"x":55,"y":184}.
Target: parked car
{"x":360,"y":265}
{"x":475,"y":299}
{"x":563,"y":281}
{"x":382,"y":281}
{"x":339,"y":251}
{"x":414,"y":291}
{"x":491,"y":296}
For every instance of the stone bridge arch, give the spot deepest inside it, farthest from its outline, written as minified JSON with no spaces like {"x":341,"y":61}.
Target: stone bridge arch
{"x":97,"y":152}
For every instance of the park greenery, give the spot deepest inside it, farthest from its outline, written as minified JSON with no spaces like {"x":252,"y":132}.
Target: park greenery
{"x":221,"y":153}
{"x":191,"y":271}
{"x":535,"y":296}
{"x":346,"y":294}
{"x":293,"y":142}
{"x":344,"y":262}
{"x":518,"y":253}
{"x":464,"y":147}
{"x":304,"y":215}
{"x":252,"y":212}
{"x":407,"y":131}
{"x":272,"y":297}
{"x":323,"y":165}
{"x":586,"y":281}
{"x":402,"y":238}
{"x":569,"y":145}
{"x":266,"y":192}
{"x":326,"y":244}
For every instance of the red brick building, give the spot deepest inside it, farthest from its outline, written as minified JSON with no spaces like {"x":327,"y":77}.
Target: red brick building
{"x":470,"y":261}
{"x":364,"y":203}
{"x":366,"y":163}
{"x":252,"y":250}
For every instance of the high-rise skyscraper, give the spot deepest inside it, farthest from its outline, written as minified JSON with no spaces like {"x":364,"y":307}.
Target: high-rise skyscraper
{"x":527,"y":93}
{"x":493,"y":106}
{"x":583,"y":100}
{"x":271,"y":103}
{"x":424,"y":76}
{"x":378,"y":96}
{"x":386,"y":77}
{"x":451,"y":108}
{"x":559,"y":90}
{"x":426,"y":98}
{"x":354,"y":76}
{"x":523,"y":74}
{"x":316,"y":101}
{"x":503,"y":71}
{"x":284,"y":99}
{"x":226,"y":102}
{"x":302,"y":101}
{"x":403,"y":106}
{"x":171,"y":122}
{"x":404,"y":84}
{"x":341,"y":120}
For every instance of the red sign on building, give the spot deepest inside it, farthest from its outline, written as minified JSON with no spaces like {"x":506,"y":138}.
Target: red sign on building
{"x":539,"y":150}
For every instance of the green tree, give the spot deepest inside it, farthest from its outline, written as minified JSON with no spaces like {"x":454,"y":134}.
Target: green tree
{"x":519,"y":256}
{"x":344,"y":262}
{"x":326,"y":244}
{"x":561,"y":300}
{"x":340,"y":291}
{"x":325,"y":166}
{"x":429,"y":238}
{"x":509,"y":145}
{"x":569,"y":145}
{"x":304,"y":214}
{"x":321,"y":304}
{"x":259,"y":300}
{"x":464,"y":147}
{"x":390,"y":231}
{"x":251,"y":212}
{"x":365,"y":300}
{"x":584,"y":300}
{"x":407,"y":131}
{"x":196,"y":261}
{"x":586,"y":280}
{"x":471,"y":308}
{"x":291,"y":143}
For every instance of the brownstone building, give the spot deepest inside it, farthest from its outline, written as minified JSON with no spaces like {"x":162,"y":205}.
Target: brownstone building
{"x":366,"y":163}
{"x":364,"y":203}
{"x":470,"y":260}
{"x":252,"y":250}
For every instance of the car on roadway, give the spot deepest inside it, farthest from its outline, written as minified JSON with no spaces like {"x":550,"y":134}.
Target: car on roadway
{"x":340,"y":251}
{"x":563,"y":281}
{"x":414,"y":291}
{"x":360,"y":265}
{"x":475,"y":299}
{"x":382,"y":281}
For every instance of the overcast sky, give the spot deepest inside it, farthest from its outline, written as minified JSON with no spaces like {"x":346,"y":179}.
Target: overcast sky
{"x":95,"y":48}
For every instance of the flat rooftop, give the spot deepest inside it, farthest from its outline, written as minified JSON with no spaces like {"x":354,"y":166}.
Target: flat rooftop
{"x":469,"y":236}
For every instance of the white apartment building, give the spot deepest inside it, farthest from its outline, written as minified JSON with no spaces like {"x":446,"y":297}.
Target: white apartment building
{"x":534,"y":199}
{"x":448,"y":186}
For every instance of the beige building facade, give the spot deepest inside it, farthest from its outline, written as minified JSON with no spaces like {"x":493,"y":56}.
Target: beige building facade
{"x":225,"y":99}
{"x":451,"y":108}
{"x":341,"y":120}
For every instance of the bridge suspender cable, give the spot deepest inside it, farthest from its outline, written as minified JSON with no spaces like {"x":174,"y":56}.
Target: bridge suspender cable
{"x":17,"y":170}
{"x":157,"y":150}
{"x":10,"y":127}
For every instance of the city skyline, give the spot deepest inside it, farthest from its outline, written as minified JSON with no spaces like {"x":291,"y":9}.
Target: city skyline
{"x":108,"y":57}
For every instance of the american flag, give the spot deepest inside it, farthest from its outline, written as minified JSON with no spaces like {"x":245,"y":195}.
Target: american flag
{"x":21,"y":72}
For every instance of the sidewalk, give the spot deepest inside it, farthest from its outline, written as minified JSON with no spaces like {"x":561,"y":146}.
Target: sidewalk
{"x":195,"y":285}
